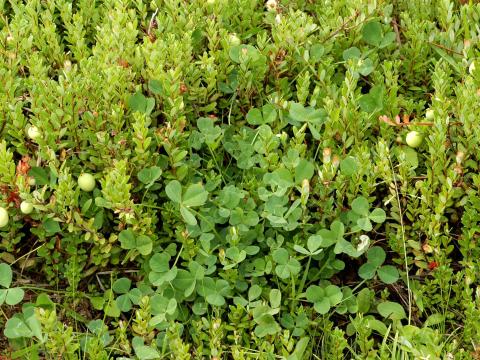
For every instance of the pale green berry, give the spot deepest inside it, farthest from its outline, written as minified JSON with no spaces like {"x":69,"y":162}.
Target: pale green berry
{"x":33,"y":132}
{"x":86,"y":182}
{"x":26,"y":207}
{"x":3,"y":217}
{"x":414,"y":139}
{"x":234,"y":40}
{"x":429,"y":114}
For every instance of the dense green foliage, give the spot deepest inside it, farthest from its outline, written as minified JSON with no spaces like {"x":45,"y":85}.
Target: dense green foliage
{"x":231,"y":179}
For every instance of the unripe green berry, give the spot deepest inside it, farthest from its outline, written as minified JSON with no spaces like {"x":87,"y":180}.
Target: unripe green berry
{"x":33,"y":132}
{"x":86,"y":182}
{"x":26,"y":207}
{"x":234,"y":40}
{"x":3,"y":217}
{"x":429,"y":114}
{"x":414,"y":139}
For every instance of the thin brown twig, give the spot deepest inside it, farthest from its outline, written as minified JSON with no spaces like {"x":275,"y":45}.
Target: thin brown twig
{"x":397,"y":32}
{"x":445,"y":48}
{"x":398,"y":122}
{"x":117,"y":271}
{"x":344,"y":26}
{"x":395,"y":23}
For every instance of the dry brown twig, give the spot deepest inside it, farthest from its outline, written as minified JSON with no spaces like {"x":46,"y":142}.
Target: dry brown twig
{"x":405,"y":121}
{"x":343,"y":27}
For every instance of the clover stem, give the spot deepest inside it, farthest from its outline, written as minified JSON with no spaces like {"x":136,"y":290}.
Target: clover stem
{"x":353,"y":290}
{"x":292,"y":303}
{"x":319,"y":271}
{"x":178,"y":255}
{"x":6,"y":317}
{"x":44,"y":289}
{"x":216,"y":163}
{"x":305,"y":274}
{"x":208,"y":221}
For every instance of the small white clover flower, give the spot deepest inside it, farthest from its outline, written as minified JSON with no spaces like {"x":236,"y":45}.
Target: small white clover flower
{"x":364,"y":242}
{"x":271,"y":5}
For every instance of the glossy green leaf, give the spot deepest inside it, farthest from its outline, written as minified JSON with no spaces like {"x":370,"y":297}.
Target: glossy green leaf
{"x":174,"y":191}
{"x":14,"y":296}
{"x":149,"y":175}
{"x":195,"y":195}
{"x":372,"y":33}
{"x":188,"y":216}
{"x":367,"y":271}
{"x":391,"y":310}
{"x":127,"y":239}
{"x":361,"y":206}
{"x":16,"y":328}
{"x":388,"y":274}
{"x":373,"y":101}
{"x":5,"y":275}
{"x":122,"y":285}
{"x":376,"y":256}
{"x":378,"y":215}
{"x":143,"y":244}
